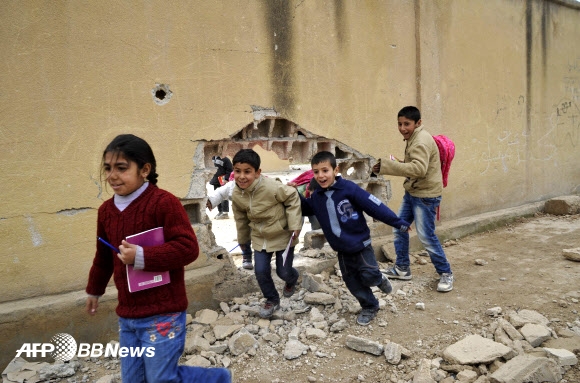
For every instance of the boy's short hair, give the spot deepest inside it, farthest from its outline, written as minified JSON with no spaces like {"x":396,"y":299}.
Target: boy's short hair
{"x":247,"y":156}
{"x":410,"y":112}
{"x":323,"y":157}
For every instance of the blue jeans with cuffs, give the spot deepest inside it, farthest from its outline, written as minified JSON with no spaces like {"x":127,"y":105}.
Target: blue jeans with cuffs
{"x":423,"y":211}
{"x":164,"y":336}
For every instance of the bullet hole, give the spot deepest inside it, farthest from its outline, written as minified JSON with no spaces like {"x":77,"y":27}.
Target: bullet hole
{"x":161,"y":94}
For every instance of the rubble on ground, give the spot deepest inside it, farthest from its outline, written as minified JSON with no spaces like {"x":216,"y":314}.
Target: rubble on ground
{"x":514,"y":346}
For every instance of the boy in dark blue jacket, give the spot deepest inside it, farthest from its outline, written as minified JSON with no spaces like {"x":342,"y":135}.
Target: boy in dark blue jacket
{"x":339,"y":205}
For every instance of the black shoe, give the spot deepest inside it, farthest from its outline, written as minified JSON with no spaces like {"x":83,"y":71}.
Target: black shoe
{"x":366,"y":316}
{"x":268,"y":310}
{"x":289,"y":290}
{"x":385,"y":285}
{"x":247,"y":263}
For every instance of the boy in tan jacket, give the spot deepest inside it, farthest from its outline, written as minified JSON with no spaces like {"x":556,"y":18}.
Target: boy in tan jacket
{"x":268,"y":213}
{"x":423,"y":187}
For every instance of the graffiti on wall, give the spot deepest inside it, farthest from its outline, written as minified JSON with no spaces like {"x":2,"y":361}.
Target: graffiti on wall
{"x":565,"y":123}
{"x":505,"y":148}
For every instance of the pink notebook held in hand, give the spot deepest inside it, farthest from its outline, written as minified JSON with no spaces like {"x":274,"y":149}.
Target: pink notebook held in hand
{"x":139,"y":279}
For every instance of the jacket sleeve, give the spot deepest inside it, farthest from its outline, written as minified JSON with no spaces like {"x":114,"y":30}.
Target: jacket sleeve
{"x":221,"y":194}
{"x":374,"y":207}
{"x":290,"y":197}
{"x":242,"y":222}
{"x":415,"y":165}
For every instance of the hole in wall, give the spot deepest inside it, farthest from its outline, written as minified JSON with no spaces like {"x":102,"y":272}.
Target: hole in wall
{"x":161,"y":94}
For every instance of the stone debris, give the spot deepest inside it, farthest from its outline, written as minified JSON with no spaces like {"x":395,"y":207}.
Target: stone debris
{"x":513,"y":348}
{"x":564,"y":205}
{"x":572,"y":254}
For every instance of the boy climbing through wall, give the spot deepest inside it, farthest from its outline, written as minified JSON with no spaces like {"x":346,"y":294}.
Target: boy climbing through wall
{"x":339,"y":205}
{"x":423,"y":188}
{"x":267,"y":212}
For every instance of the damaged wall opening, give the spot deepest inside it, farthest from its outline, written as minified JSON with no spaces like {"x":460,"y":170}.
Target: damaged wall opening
{"x":289,"y":142}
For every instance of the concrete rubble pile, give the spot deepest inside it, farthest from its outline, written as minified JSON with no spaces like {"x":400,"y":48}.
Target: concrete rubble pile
{"x":312,"y":322}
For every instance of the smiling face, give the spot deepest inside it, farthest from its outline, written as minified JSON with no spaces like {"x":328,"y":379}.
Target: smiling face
{"x":324,"y":174}
{"x":123,"y":175}
{"x":245,"y":174}
{"x":407,"y":127}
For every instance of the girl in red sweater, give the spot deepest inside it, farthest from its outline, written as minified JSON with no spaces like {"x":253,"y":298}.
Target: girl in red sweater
{"x":151,"y":321}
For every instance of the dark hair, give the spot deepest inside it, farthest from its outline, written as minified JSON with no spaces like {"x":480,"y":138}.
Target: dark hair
{"x":410,"y":112}
{"x":247,"y":156}
{"x":323,"y":157}
{"x":136,"y":150}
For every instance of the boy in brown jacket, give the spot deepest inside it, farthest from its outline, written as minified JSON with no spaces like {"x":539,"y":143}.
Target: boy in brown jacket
{"x":423,"y":187}
{"x":268,"y":213}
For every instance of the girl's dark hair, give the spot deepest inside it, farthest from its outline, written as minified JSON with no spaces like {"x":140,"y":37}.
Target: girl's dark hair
{"x":410,"y":112}
{"x":323,"y":157}
{"x":247,"y":156}
{"x":134,"y":149}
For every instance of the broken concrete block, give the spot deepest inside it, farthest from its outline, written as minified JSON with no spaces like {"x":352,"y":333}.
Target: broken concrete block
{"x":529,"y":369}
{"x":572,"y":254}
{"x":365,"y":345}
{"x":536,"y":334}
{"x":475,"y":349}
{"x":423,"y":373}
{"x":563,"y":205}
{"x":562,"y":356}
{"x":520,"y":318}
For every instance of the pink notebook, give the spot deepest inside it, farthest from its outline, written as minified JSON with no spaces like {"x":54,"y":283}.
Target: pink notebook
{"x":140,"y":279}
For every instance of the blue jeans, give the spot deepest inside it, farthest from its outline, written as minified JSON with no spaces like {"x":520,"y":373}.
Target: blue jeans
{"x":360,"y":271}
{"x":165,"y":333}
{"x":263,"y":271}
{"x":423,"y":212}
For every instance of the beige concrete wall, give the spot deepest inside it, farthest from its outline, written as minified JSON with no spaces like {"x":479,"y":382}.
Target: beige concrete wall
{"x":502,"y":78}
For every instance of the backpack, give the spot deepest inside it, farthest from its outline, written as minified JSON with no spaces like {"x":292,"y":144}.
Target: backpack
{"x":446,"y":154}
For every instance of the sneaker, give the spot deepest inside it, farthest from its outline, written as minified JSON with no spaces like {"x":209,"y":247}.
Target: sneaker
{"x":445,"y":282}
{"x":385,"y":285}
{"x":222,"y":216}
{"x":397,"y":273}
{"x":366,"y":316}
{"x":268,"y":309}
{"x":247,"y":263}
{"x":289,"y":290}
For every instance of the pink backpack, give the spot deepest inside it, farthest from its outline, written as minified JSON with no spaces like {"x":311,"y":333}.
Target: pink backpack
{"x":446,"y":154}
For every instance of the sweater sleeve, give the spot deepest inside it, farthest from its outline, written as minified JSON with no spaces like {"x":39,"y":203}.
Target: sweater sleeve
{"x":180,"y":247}
{"x":374,"y":207}
{"x":103,"y":264}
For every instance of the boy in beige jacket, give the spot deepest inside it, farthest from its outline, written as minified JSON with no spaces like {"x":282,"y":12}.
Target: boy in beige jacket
{"x":423,"y":187}
{"x":268,"y":213}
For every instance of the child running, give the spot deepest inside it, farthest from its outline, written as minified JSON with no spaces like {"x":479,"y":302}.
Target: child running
{"x":339,"y":205}
{"x":267,"y":214}
{"x":152,"y":318}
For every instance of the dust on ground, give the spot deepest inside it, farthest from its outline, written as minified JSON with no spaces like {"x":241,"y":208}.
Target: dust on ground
{"x":522,"y":268}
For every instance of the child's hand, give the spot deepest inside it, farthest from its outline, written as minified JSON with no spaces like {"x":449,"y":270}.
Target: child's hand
{"x":127,"y":253}
{"x":377,"y":167}
{"x":208,"y":205}
{"x":296,"y":233}
{"x":91,"y":305}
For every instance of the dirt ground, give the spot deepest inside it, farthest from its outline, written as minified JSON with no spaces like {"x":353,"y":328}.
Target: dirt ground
{"x":523,"y":269}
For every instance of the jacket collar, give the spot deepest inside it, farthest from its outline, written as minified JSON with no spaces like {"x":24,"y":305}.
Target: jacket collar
{"x":253,"y":186}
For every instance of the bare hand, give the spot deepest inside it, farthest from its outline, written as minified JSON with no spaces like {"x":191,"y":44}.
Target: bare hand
{"x":208,"y":205}
{"x":296,"y":233}
{"x":91,"y":305}
{"x":127,"y":253}
{"x":377,"y":168}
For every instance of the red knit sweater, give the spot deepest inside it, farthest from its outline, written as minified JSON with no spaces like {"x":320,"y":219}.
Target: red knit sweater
{"x":154,"y":208}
